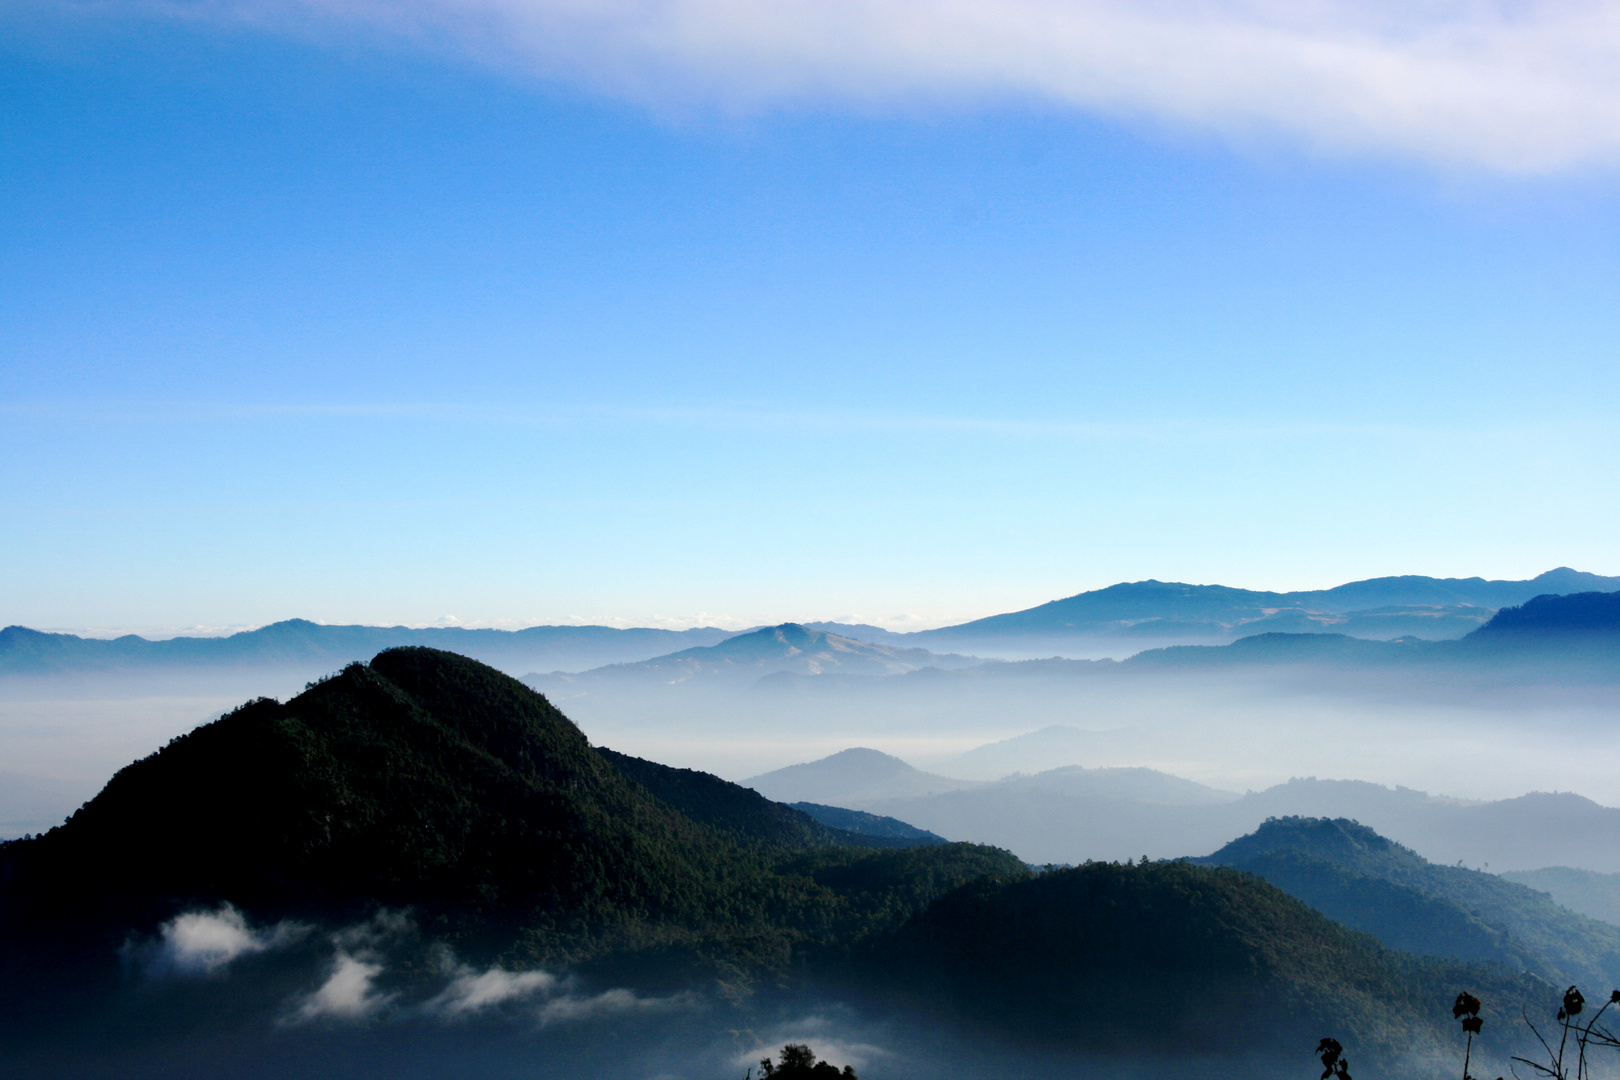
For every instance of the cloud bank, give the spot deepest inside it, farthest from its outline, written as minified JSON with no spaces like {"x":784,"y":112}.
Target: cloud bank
{"x":360,"y":955}
{"x":1518,"y":87}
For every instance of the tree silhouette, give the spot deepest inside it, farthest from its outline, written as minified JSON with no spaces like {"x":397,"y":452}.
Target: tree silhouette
{"x":799,"y":1063}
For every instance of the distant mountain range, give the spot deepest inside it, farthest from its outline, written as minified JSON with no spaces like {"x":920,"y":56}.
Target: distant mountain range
{"x":303,"y":644}
{"x":1586,"y":891}
{"x":1378,"y":607}
{"x":1072,"y":813}
{"x":1145,"y":612}
{"x":786,"y":649}
{"x":1575,"y":637}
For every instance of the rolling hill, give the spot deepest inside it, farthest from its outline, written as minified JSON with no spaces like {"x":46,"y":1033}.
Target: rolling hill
{"x":1353,"y":875}
{"x":1072,"y":813}
{"x":1151,"y":959}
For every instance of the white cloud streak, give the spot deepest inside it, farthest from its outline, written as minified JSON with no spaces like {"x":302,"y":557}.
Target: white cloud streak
{"x":349,"y":992}
{"x":1519,"y":87}
{"x":575,"y":1007}
{"x":471,"y":992}
{"x":203,"y":942}
{"x":199,"y":943}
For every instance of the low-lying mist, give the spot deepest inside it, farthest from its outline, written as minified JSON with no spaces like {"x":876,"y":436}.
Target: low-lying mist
{"x":210,"y":994}
{"x":1232,"y":730}
{"x":62,"y":737}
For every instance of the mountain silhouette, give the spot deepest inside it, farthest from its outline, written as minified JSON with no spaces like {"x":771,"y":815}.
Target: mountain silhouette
{"x":428,"y":780}
{"x":304,"y":644}
{"x":1167,"y":609}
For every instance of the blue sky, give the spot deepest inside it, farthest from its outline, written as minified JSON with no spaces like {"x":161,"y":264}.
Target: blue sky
{"x":323,"y":317}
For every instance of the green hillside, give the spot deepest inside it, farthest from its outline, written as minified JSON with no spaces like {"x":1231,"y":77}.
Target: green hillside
{"x":1354,"y":875}
{"x":1164,"y":957}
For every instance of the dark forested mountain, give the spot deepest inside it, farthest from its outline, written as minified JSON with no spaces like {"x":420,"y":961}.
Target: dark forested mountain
{"x":1146,"y":958}
{"x":421,"y":778}
{"x":430,"y":780}
{"x":1352,"y":874}
{"x":303,"y":644}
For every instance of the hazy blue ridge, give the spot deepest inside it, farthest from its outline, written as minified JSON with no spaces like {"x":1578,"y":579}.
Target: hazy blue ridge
{"x":1589,"y":892}
{"x":1440,"y":608}
{"x":1169,"y":609}
{"x":1579,"y":629}
{"x":299,"y":642}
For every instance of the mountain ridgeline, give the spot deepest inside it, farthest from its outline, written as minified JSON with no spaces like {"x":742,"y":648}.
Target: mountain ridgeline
{"x":1388,"y":607}
{"x":1148,"y":612}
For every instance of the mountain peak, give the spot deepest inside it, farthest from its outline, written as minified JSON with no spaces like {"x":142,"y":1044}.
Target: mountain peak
{"x":857,"y":774}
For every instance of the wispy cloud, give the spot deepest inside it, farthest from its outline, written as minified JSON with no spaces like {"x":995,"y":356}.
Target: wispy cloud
{"x":198,"y":943}
{"x":471,"y":992}
{"x":349,"y":992}
{"x":1527,"y":86}
{"x":203,"y":942}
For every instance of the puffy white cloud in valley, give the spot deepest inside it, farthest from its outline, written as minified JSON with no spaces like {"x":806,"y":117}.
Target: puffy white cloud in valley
{"x":470,"y":992}
{"x":349,"y":992}
{"x":202,"y":942}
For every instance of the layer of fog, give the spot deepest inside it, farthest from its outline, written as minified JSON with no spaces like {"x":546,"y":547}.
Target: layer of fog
{"x":1237,"y":731}
{"x":61,"y":738}
{"x":213,"y":994}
